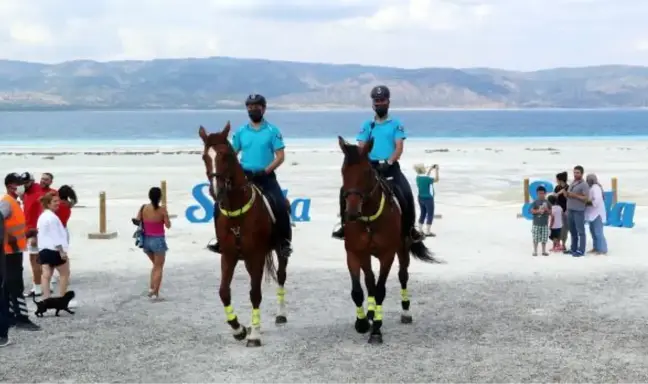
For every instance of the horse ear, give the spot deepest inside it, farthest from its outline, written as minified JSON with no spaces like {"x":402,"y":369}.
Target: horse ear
{"x":202,"y":132}
{"x":227,"y":128}
{"x":368,"y":146}
{"x":342,"y":143}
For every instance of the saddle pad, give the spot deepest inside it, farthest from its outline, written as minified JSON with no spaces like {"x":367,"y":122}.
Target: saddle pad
{"x":397,"y":204}
{"x":267,"y":204}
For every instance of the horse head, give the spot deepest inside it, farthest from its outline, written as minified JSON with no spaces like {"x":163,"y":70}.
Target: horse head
{"x":359,"y":179}
{"x":222,"y":167}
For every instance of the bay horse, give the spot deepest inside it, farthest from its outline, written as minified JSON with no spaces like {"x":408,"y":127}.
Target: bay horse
{"x":373,"y":228}
{"x":244,"y":229}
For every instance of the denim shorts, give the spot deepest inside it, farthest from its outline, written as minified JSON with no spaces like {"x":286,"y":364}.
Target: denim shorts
{"x":155,"y":244}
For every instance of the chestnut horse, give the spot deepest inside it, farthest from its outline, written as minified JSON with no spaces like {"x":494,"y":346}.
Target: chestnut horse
{"x":244,"y":229}
{"x":373,"y":227}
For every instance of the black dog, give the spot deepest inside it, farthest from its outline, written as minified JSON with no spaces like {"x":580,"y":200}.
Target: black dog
{"x":57,"y":303}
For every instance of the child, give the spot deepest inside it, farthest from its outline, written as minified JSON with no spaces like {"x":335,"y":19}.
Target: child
{"x":541,"y":210}
{"x":555,"y":223}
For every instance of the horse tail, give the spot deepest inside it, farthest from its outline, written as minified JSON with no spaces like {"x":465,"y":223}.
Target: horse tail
{"x":421,"y":252}
{"x":270,"y":267}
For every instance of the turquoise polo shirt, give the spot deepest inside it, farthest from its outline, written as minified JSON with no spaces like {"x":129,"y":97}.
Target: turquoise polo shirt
{"x":425,"y":185}
{"x":385,"y":134}
{"x":257,"y":145}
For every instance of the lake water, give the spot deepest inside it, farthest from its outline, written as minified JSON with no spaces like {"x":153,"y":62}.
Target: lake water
{"x":77,"y":127}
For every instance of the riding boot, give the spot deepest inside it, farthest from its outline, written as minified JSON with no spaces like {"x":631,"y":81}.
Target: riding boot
{"x":409,"y":222}
{"x":339,"y":233}
{"x":285,"y":235}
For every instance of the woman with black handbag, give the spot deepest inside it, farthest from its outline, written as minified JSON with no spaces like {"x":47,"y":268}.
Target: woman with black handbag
{"x":150,"y":236}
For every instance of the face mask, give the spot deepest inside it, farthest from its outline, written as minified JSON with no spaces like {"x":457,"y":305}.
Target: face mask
{"x":256,"y":115}
{"x":20,"y":190}
{"x":381,"y":110}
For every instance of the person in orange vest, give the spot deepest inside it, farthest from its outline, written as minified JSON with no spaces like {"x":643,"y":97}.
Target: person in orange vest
{"x":14,"y":244}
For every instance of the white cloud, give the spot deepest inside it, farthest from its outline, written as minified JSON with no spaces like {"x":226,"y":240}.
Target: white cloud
{"x":517,"y":34}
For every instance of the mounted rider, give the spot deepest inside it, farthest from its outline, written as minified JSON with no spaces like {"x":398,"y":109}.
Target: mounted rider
{"x":261,"y":146}
{"x":389,"y":135}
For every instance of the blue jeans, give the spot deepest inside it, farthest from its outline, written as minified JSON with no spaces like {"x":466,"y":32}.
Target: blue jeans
{"x":598,"y":238}
{"x":426,"y":205}
{"x":577,"y":230}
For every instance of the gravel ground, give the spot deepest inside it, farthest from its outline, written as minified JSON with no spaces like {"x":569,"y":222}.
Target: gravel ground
{"x":479,"y":329}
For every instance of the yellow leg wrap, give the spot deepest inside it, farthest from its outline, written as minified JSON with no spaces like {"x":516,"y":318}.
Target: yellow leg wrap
{"x":404,"y":295}
{"x":256,"y":317}
{"x":378,"y":315}
{"x":371,"y":303}
{"x":281,"y":295}
{"x":229,"y":312}
{"x":360,"y":313}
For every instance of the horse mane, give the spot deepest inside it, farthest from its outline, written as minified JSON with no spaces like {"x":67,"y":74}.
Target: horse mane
{"x":352,"y":154}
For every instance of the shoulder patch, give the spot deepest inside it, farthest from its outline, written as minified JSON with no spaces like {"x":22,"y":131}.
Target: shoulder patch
{"x":401,"y":128}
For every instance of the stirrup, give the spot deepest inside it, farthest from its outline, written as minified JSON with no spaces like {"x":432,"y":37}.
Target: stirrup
{"x":214,"y":247}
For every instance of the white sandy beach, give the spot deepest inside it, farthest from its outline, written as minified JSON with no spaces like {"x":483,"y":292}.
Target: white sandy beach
{"x":479,"y":195}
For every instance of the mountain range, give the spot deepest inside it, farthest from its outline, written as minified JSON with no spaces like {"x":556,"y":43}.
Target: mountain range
{"x":223,"y":82}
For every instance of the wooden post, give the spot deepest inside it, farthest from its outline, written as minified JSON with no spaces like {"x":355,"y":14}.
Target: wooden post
{"x":103,"y":233}
{"x":163,"y":187}
{"x":615,"y":193}
{"x":527,"y":198}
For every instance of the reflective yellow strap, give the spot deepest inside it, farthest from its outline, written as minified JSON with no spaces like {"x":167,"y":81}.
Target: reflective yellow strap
{"x":404,"y":295}
{"x":229,"y":312}
{"x":281,"y":294}
{"x":378,"y":315}
{"x":360,"y":313}
{"x":371,"y":303}
{"x":256,"y":317}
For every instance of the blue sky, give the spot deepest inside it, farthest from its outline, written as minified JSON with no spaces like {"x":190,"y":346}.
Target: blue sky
{"x":511,"y":34}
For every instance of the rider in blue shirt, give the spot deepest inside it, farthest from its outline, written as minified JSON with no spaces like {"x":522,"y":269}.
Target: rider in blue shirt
{"x":389,"y":136}
{"x":261,"y":147}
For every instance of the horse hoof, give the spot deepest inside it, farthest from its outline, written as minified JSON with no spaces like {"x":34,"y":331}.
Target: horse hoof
{"x":253,"y":343}
{"x":281,"y":319}
{"x":362,"y":325}
{"x":242,"y":335}
{"x":370,"y":315}
{"x":375,"y":338}
{"x":406,"y":319}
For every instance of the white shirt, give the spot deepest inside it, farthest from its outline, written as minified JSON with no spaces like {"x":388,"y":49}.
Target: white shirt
{"x":51,"y":232}
{"x":598,"y":205}
{"x":557,"y":212}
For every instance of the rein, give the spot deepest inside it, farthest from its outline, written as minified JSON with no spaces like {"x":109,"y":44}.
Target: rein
{"x":228,"y":187}
{"x":363,"y":196}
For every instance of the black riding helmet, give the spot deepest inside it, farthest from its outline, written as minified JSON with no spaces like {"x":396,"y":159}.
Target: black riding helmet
{"x":380,"y":92}
{"x":255,"y":99}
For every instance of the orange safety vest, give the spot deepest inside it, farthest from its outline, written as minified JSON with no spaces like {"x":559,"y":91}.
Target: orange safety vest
{"x":15,"y":240}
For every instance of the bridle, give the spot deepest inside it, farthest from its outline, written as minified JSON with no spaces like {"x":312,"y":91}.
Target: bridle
{"x":364,"y":196}
{"x":226,"y":179}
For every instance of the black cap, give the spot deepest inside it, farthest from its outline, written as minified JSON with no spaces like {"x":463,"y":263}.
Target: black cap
{"x":255,"y":99}
{"x":13,"y":178}
{"x":380,"y":92}
{"x":26,"y":176}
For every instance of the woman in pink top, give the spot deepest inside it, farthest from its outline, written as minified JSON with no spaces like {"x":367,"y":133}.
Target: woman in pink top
{"x":154,"y":218}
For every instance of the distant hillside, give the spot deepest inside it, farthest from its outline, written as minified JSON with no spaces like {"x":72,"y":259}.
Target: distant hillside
{"x":222,"y":82}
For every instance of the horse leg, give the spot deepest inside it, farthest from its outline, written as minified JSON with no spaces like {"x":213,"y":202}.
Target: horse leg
{"x":353,"y":263}
{"x":254,"y":267}
{"x":386,"y":261}
{"x":228,"y":264}
{"x":403,"y":277}
{"x":370,"y":283}
{"x":281,"y":291}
